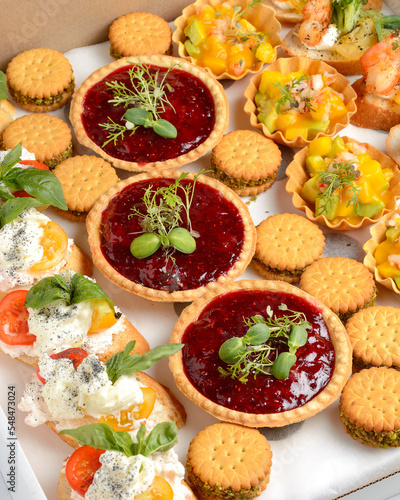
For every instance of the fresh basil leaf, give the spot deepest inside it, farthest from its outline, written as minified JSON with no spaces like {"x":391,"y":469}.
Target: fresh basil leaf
{"x":139,"y":116}
{"x":102,"y":437}
{"x":11,"y":159}
{"x":41,"y":184}
{"x":46,"y":291}
{"x":139,"y":447}
{"x":13,"y":207}
{"x":83,"y":288}
{"x":117,"y":360}
{"x":3,"y":86}
{"x":161,"y":438}
{"x":5,"y":193}
{"x":385,"y":25}
{"x":123,"y":363}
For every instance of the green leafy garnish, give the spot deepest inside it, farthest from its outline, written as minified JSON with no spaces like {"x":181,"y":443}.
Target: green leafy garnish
{"x":255,"y":354}
{"x":123,"y":363}
{"x":385,"y":25}
{"x":340,"y":175}
{"x":14,"y":207}
{"x":162,"y":220}
{"x":3,"y":86}
{"x":73,"y":291}
{"x":102,"y":437}
{"x":290,"y":96}
{"x":146,"y":100}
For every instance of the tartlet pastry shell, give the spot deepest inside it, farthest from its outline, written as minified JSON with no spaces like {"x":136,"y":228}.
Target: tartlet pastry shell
{"x":217,"y":92}
{"x":342,"y":370}
{"x":261,"y":17}
{"x":93,"y":223}
{"x":305,"y":66}
{"x":297,"y":175}
{"x":377,"y":236}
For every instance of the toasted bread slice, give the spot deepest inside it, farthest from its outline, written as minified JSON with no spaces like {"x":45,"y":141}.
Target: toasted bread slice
{"x":372,"y":111}
{"x":119,"y":341}
{"x":171,"y":409}
{"x":292,"y":46}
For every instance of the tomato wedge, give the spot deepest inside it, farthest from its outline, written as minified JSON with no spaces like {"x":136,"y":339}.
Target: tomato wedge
{"x":55,"y":245}
{"x":14,"y":329}
{"x":75,"y":354}
{"x":35,"y":164}
{"x":160,"y":489}
{"x":81,"y":467}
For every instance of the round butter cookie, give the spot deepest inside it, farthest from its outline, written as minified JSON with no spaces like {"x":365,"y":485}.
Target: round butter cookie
{"x":229,"y":461}
{"x":139,"y":33}
{"x":47,"y":137}
{"x":286,"y":245}
{"x":375,"y":336}
{"x":342,"y":284}
{"x":40,"y":80}
{"x":84,"y":179}
{"x":246,"y":161}
{"x":370,"y":407}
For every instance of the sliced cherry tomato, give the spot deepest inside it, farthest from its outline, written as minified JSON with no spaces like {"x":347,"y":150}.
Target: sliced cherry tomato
{"x":125,"y":419}
{"x":55,"y":243}
{"x":81,"y":467}
{"x":102,"y":317}
{"x":75,"y":354}
{"x":35,"y":164}
{"x":14,"y":329}
{"x":160,"y":489}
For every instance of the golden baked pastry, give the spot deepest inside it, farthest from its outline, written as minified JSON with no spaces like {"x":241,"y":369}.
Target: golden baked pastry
{"x":246,"y":161}
{"x":286,"y":245}
{"x":223,"y":322}
{"x":229,"y":459}
{"x":217,"y":244}
{"x":198,"y":112}
{"x":40,"y":80}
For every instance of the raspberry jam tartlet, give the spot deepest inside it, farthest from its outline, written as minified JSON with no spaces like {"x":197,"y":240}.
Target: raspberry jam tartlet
{"x":156,"y":235}
{"x":147,"y":112}
{"x":261,"y":354}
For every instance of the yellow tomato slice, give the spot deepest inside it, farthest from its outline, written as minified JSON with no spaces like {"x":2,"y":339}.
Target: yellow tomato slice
{"x":54,"y":243}
{"x":102,"y":317}
{"x":125,"y":419}
{"x":160,"y":489}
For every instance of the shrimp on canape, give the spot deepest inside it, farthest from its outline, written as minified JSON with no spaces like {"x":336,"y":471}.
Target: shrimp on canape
{"x":317,"y":18}
{"x":381,"y":67}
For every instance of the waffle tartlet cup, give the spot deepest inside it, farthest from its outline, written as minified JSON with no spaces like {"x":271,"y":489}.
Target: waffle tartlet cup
{"x":261,"y":17}
{"x":377,"y":236}
{"x":306,"y":66}
{"x":297,"y":175}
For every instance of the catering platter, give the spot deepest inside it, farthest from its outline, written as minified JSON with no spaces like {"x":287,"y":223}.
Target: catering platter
{"x":312,"y":460}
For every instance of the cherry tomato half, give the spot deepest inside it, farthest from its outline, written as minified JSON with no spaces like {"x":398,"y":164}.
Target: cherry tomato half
{"x":14,"y":329}
{"x":35,"y":164}
{"x":55,"y":245}
{"x":81,"y":467}
{"x":75,"y":354}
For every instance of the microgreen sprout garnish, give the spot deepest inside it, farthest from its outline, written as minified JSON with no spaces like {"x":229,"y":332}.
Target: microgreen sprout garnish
{"x":257,"y":351}
{"x":162,"y":220}
{"x":146,"y":100}
{"x":295,"y":95}
{"x":340,"y":175}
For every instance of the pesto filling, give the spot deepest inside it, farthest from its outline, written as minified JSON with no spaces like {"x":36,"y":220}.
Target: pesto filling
{"x":53,"y":162}
{"x":359,"y":364}
{"x":285,"y":272}
{"x":206,"y":490}
{"x":345,"y":316}
{"x":236,"y":182}
{"x":382,"y":439}
{"x":20,"y":98}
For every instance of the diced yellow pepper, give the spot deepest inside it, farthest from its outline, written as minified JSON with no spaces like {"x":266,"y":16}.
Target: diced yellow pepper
{"x":296,"y":131}
{"x":366,"y":194}
{"x":266,"y":53}
{"x":246,"y":26}
{"x":345,"y":209}
{"x":207,"y":13}
{"x":268,"y":81}
{"x":320,"y":146}
{"x":372,"y":172}
{"x":363,"y":158}
{"x":386,"y":270}
{"x":240,"y":58}
{"x":388,"y":173}
{"x":384,"y":249}
{"x":285,"y":120}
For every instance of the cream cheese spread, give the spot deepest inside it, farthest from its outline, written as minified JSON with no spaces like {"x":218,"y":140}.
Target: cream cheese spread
{"x":328,"y":40}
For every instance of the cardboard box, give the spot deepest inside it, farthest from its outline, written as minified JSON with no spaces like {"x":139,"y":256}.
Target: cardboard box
{"x":25,"y":24}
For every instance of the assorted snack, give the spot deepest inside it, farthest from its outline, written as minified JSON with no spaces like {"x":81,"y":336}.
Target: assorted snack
{"x":228,"y":38}
{"x":171,"y":236}
{"x":297,"y":99}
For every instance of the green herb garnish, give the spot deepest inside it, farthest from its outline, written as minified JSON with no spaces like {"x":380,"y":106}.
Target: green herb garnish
{"x":102,"y":437}
{"x":146,"y":100}
{"x":123,"y":363}
{"x":288,"y":98}
{"x":162,"y":219}
{"x":340,"y":175}
{"x":3,"y":86}
{"x":254,"y":354}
